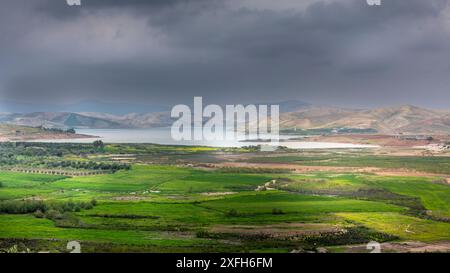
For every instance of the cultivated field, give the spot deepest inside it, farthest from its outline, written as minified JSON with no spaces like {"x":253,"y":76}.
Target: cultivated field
{"x":154,"y":198}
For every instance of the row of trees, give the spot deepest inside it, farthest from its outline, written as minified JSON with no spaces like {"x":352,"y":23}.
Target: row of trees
{"x":36,"y":206}
{"x":88,"y":165}
{"x":50,"y":149}
{"x":5,"y":160}
{"x":58,"y":130}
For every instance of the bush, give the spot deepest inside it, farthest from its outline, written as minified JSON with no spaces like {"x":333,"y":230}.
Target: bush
{"x":53,"y":215}
{"x":276,"y":211}
{"x":98,"y":144}
{"x":1,"y":184}
{"x":87,"y":206}
{"x":17,"y":249}
{"x":33,"y":206}
{"x":39,"y":214}
{"x":202,"y":234}
{"x":21,"y":207}
{"x":209,"y":235}
{"x":232,"y":213}
{"x":94,"y":202}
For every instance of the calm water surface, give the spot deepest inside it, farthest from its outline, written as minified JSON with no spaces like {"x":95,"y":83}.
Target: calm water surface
{"x":162,"y":136}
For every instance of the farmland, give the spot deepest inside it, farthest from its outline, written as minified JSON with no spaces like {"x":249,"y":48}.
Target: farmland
{"x":153,"y":198}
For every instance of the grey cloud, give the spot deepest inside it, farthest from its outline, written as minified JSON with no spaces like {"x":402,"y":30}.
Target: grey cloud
{"x":336,"y":52}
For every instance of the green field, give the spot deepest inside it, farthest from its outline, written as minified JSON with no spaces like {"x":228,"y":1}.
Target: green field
{"x":168,"y":208}
{"x":436,"y":164}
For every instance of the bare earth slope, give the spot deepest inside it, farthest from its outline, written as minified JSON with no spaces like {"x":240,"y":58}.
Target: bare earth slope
{"x":403,"y":119}
{"x":388,"y":120}
{"x":10,"y":132}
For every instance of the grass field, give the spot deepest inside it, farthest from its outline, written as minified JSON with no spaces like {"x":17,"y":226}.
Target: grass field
{"x":168,"y":208}
{"x":434,"y":196}
{"x":406,"y":227}
{"x":436,"y":164}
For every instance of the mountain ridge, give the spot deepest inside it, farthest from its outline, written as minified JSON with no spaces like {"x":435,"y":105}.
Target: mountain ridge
{"x":406,"y":119}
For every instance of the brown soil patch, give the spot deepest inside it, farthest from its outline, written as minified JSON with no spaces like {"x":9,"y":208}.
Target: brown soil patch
{"x":217,"y":193}
{"x":382,"y":140}
{"x":306,"y":169}
{"x":285,"y":230}
{"x":129,"y":198}
{"x":46,"y":136}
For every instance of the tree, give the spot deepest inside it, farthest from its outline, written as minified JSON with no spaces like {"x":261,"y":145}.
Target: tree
{"x":98,"y":144}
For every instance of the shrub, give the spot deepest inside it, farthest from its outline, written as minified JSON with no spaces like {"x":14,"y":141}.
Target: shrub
{"x":94,"y":202}
{"x":36,"y":206}
{"x":53,"y":215}
{"x":1,"y":184}
{"x":202,"y":234}
{"x":39,"y":214}
{"x":87,"y":206}
{"x":21,"y":207}
{"x":17,"y":249}
{"x":98,"y":144}
{"x":276,"y":211}
{"x":209,"y":235}
{"x":232,"y":213}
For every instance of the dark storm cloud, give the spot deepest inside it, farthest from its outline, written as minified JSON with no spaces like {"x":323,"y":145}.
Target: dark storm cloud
{"x":61,"y":10}
{"x":336,"y":52}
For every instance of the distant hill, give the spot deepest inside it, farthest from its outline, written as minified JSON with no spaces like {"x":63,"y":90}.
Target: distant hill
{"x":11,"y":132}
{"x":391,"y":120}
{"x":59,"y":120}
{"x":135,"y":120}
{"x":87,"y":120}
{"x":294,"y":115}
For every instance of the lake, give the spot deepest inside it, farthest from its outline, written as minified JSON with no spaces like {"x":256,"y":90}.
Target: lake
{"x":162,"y":136}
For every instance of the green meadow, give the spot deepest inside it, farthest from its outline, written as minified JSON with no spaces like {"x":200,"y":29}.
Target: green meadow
{"x":168,"y":208}
{"x":435,"y":164}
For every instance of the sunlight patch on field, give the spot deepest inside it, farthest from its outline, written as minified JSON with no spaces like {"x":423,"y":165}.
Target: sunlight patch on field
{"x":406,"y":227}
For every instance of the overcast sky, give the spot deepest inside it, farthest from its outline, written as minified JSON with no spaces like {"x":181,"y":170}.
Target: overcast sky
{"x":337,"y":52}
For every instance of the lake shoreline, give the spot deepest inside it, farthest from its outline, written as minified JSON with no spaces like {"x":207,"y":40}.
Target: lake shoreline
{"x":161,"y":136}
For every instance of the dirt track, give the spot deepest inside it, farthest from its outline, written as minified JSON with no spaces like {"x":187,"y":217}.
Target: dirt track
{"x":285,"y":230}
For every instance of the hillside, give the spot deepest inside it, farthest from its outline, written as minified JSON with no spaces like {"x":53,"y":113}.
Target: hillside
{"x":60,"y":120}
{"x":87,"y":120}
{"x":403,"y":119}
{"x":135,"y":120}
{"x":9,"y":132}
{"x":388,"y":120}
